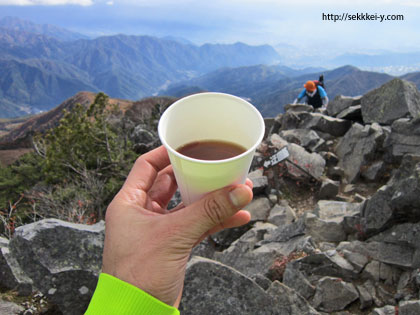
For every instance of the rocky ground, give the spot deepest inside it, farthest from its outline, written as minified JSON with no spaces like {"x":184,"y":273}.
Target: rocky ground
{"x":335,"y":228}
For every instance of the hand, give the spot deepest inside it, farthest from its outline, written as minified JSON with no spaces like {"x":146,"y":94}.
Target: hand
{"x":149,"y":246}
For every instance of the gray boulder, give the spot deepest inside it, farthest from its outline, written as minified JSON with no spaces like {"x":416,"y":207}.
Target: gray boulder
{"x":63,"y":260}
{"x":10,"y":308}
{"x":323,"y":231}
{"x":358,"y":149}
{"x":397,"y":201}
{"x":241,"y":256}
{"x":333,"y":294}
{"x":329,"y":189}
{"x":289,"y":301}
{"x":386,"y":310}
{"x":341,"y":103}
{"x":294,"y":279}
{"x":259,"y":209}
{"x":11,"y":275}
{"x":315,"y":121}
{"x":306,"y":138}
{"x":312,"y":164}
{"x":282,"y":214}
{"x":395,"y":99}
{"x":353,"y":113}
{"x":259,"y":181}
{"x":213,"y":288}
{"x":404,"y":138}
{"x":298,"y":108}
{"x":409,"y":307}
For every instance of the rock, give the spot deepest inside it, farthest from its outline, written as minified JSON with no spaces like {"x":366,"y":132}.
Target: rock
{"x":397,"y":255}
{"x":262,"y":281}
{"x":306,"y":138}
{"x":406,"y":235}
{"x":374,"y":172}
{"x":294,"y":279}
{"x":259,"y":181}
{"x":395,"y":99}
{"x":404,"y":138}
{"x":333,"y":294}
{"x":353,"y":113}
{"x":335,"y":211}
{"x":358,"y":147}
{"x":207,"y":281}
{"x":63,"y":260}
{"x":312,"y":163}
{"x":282,"y":214}
{"x":10,"y":308}
{"x":409,"y":308}
{"x":11,"y":275}
{"x":357,"y":260}
{"x":204,"y":249}
{"x":341,"y":103}
{"x":289,"y":301}
{"x":323,"y":231}
{"x":259,"y":209}
{"x":386,"y":310}
{"x":365,"y":298}
{"x":315,"y":121}
{"x":395,"y":202}
{"x":241,"y":256}
{"x":298,"y":108}
{"x":318,"y":265}
{"x":329,"y":189}
{"x":226,"y":237}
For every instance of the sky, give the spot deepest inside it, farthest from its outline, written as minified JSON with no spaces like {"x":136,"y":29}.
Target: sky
{"x":298,"y":23}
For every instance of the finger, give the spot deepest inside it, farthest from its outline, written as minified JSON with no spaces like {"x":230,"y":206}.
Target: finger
{"x":240,"y":218}
{"x":146,"y":168}
{"x":249,"y":183}
{"x":164,"y":187}
{"x":211,"y":211}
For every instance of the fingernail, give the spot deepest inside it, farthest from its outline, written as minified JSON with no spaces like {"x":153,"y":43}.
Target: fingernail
{"x":239,"y":196}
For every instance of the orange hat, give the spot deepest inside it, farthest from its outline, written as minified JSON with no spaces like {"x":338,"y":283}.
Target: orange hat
{"x":310,"y":86}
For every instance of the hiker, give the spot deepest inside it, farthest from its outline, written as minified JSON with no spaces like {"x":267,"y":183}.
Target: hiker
{"x":147,"y":247}
{"x":315,"y":93}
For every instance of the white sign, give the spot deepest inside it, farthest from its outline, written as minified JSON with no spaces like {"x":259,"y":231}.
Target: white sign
{"x":276,"y":158}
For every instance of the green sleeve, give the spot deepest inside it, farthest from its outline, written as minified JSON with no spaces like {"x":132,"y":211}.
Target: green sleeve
{"x":114,"y":296}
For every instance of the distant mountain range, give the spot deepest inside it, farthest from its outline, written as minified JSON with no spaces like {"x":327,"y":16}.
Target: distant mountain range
{"x":39,"y":71}
{"x":43,"y":65}
{"x":271,"y":87}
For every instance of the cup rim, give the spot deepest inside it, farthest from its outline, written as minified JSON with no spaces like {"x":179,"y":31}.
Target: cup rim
{"x":237,"y":157}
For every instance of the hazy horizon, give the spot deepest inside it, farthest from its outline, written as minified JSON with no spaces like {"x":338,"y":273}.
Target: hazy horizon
{"x":253,"y":22}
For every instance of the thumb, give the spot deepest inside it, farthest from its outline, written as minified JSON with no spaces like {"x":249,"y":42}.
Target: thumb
{"x":212,"y":210}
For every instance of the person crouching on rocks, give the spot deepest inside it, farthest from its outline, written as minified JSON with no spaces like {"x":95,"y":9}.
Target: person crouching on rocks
{"x":315,"y":95}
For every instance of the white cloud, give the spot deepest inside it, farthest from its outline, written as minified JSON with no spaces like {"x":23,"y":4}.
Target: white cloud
{"x":110,"y":2}
{"x":46,"y":2}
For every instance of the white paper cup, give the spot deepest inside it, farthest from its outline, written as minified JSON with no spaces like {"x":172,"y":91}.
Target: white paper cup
{"x":210,"y":116}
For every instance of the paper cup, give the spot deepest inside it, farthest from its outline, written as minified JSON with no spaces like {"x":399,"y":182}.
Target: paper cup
{"x":210,"y":116}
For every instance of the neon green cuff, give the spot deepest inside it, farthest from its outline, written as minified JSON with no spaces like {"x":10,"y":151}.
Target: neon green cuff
{"x":114,"y":296}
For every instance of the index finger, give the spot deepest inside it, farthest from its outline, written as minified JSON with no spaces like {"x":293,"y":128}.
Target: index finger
{"x":146,"y":168}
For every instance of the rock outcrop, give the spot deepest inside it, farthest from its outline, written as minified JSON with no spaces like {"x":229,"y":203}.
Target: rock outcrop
{"x":334,"y":228}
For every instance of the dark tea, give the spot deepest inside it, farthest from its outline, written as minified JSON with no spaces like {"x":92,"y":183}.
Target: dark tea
{"x":211,"y":150}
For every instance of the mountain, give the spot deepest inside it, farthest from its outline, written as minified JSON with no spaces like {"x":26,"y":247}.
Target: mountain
{"x":270,"y":89}
{"x":413,"y":77}
{"x":32,"y":85}
{"x":242,"y":81}
{"x":17,"y":24}
{"x":43,"y":71}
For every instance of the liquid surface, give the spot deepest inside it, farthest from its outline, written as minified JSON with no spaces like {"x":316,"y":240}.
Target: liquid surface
{"x":211,"y":150}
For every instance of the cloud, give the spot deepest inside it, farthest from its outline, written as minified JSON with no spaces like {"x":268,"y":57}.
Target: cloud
{"x":110,"y":2}
{"x":46,"y":2}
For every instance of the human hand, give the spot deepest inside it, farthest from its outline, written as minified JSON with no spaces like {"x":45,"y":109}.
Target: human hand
{"x":149,"y":246}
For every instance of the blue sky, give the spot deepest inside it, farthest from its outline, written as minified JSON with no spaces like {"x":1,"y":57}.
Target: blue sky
{"x":298,"y":22}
